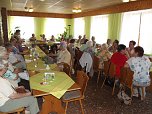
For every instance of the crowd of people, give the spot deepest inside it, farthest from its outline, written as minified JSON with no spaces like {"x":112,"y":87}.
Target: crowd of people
{"x":12,"y":63}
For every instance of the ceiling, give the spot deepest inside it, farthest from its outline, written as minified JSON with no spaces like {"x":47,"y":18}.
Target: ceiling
{"x":57,"y":6}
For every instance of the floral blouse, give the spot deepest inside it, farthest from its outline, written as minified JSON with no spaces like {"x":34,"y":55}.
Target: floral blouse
{"x":140,"y":66}
{"x":104,"y":55}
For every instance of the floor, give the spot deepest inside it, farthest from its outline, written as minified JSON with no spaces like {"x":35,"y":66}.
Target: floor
{"x":100,"y":101}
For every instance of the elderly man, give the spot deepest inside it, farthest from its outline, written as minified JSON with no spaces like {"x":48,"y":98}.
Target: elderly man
{"x":63,"y":55}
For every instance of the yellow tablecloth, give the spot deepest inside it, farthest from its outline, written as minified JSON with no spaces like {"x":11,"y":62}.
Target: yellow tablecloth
{"x":39,"y":65}
{"x":57,"y":88}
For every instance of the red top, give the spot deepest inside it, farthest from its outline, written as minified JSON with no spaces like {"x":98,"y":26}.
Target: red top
{"x":119,"y":60}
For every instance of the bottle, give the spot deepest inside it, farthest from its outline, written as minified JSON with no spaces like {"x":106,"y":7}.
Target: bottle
{"x":47,"y":67}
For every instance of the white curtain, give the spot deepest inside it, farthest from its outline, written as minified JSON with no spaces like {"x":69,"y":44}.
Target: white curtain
{"x":25,"y":24}
{"x":146,"y":31}
{"x":99,"y":28}
{"x":78,"y":27}
{"x":130,"y":27}
{"x":54,"y":26}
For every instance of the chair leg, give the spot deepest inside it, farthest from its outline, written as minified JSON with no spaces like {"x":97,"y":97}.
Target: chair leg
{"x":143,"y":93}
{"x":66,"y":106}
{"x":98,"y":77}
{"x":103,"y":82}
{"x":113,"y":90}
{"x":81,"y":107}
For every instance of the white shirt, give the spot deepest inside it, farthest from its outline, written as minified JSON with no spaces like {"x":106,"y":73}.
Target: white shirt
{"x":12,"y":58}
{"x":5,"y":91}
{"x":86,"y":60}
{"x":64,"y":56}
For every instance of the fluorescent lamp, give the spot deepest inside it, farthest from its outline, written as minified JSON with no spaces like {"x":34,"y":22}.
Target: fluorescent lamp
{"x":125,"y":0}
{"x":30,"y":9}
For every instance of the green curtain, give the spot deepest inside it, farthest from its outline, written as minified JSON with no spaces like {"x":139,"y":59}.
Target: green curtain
{"x":114,"y":26}
{"x":39,"y":26}
{"x":87,"y":26}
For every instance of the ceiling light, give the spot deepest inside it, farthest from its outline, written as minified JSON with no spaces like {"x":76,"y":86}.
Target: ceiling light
{"x":30,"y":10}
{"x":128,"y":0}
{"x":76,"y":10}
{"x":42,"y":0}
{"x":125,"y":0}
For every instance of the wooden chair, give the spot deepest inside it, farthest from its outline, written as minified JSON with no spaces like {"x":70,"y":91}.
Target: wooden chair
{"x":77,"y":95}
{"x":110,"y":70}
{"x":66,"y":68}
{"x":96,"y":63}
{"x":127,"y":80}
{"x":78,"y":55}
{"x":18,"y":111}
{"x":106,"y":71}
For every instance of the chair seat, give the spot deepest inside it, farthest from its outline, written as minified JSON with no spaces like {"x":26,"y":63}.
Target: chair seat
{"x":72,"y":95}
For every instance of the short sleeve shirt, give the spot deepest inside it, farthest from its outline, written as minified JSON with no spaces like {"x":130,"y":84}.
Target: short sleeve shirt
{"x":140,"y":66}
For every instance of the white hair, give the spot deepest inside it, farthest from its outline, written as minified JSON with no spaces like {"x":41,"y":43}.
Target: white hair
{"x":89,"y":43}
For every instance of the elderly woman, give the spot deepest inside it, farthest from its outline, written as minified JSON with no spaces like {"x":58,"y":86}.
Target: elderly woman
{"x":114,"y":46}
{"x":12,"y":98}
{"x":140,"y":65}
{"x":103,"y":54}
{"x":119,"y":59}
{"x":12,"y":72}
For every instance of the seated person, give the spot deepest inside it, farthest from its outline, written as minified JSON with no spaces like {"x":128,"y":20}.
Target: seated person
{"x":33,"y":38}
{"x":62,"y":55}
{"x":103,"y":55}
{"x":83,"y":46}
{"x":114,"y":46}
{"x":109,"y":43}
{"x":71,"y":49}
{"x":52,"y":38}
{"x":12,"y":74}
{"x":14,"y":59}
{"x":119,"y":59}
{"x":140,"y":65}
{"x":131,"y":47}
{"x":12,"y":98}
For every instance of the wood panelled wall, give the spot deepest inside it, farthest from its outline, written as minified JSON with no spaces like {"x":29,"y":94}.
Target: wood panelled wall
{"x":125,"y":7}
{"x":130,"y":6}
{"x":38,"y":14}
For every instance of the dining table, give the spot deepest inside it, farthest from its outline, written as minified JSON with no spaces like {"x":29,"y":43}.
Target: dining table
{"x":55,"y":88}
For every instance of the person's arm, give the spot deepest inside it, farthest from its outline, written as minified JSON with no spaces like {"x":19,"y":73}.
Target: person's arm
{"x":126,"y":65}
{"x":16,"y":95}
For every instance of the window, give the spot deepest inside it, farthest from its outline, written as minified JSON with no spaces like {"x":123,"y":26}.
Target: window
{"x":54,"y":26}
{"x":137,"y":26}
{"x":78,"y":27}
{"x":146,"y":32}
{"x":99,"y":28}
{"x":25,"y":24}
{"x":130,"y":27}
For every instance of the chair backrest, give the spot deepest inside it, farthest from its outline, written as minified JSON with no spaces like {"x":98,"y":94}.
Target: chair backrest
{"x":129,"y":78}
{"x":78,"y":54}
{"x":106,"y":67}
{"x":126,"y":77}
{"x":66,"y":68}
{"x":82,"y":80}
{"x":112,"y":70}
{"x":123,"y":74}
{"x":96,"y":62}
